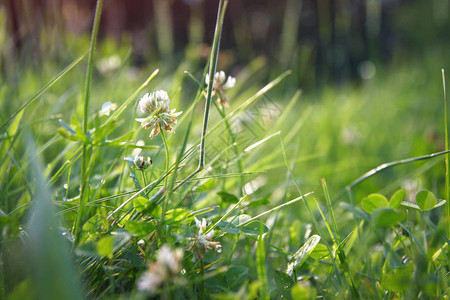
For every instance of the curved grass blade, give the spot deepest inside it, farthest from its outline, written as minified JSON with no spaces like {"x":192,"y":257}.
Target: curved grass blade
{"x":44,"y":88}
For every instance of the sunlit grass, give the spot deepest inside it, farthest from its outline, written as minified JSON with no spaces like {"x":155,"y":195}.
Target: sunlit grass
{"x":268,"y":175}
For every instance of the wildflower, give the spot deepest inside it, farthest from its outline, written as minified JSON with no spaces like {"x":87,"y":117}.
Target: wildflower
{"x":167,"y":266}
{"x":160,"y":116}
{"x":142,"y":163}
{"x":202,"y":242}
{"x":107,"y":108}
{"x":109,"y":64}
{"x":220,"y":84}
{"x":138,"y":149}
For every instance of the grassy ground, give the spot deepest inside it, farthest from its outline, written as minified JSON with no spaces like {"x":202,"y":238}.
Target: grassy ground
{"x":81,"y":220}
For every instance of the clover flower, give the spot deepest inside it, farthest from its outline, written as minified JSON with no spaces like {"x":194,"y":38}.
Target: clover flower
{"x":220,"y":84}
{"x":142,"y":163}
{"x":107,"y":108}
{"x":202,"y":242}
{"x":156,"y":104}
{"x":166,"y":267}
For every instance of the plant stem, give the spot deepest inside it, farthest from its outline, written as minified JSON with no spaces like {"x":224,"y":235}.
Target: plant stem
{"x":167,"y":156}
{"x":221,"y":111}
{"x":447,"y":175}
{"x":84,"y":162}
{"x":212,"y":71}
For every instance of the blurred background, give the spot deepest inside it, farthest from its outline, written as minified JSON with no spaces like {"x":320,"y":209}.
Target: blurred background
{"x":322,"y":41}
{"x":369,"y":71}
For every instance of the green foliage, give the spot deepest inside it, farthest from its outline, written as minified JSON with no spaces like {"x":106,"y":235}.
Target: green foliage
{"x":386,"y":217}
{"x":397,"y":198}
{"x":302,"y":254}
{"x":374,"y":201}
{"x":425,"y":200}
{"x":268,"y":231}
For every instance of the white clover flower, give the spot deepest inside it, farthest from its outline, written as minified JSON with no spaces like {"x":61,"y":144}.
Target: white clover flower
{"x":107,"y":108}
{"x":156,"y":104}
{"x":109,"y":64}
{"x":202,"y":242}
{"x":166,"y":267}
{"x":138,"y":149}
{"x":170,"y":260}
{"x":142,"y":163}
{"x":220,"y":84}
{"x":149,"y":282}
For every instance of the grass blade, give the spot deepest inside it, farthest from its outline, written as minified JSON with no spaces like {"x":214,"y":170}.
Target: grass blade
{"x":44,"y":88}
{"x":52,"y":269}
{"x":447,"y":166}
{"x":84,"y":157}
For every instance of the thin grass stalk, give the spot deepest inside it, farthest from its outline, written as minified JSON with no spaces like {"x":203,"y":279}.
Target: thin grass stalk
{"x":170,"y":188}
{"x":245,"y":197}
{"x":85,"y":160}
{"x":212,"y":70}
{"x":166,"y":156}
{"x":261,"y":268}
{"x":330,"y":209}
{"x":44,"y":88}
{"x":447,"y":166}
{"x":235,"y":147}
{"x":242,"y":107}
{"x":314,"y":220}
{"x":387,"y":166}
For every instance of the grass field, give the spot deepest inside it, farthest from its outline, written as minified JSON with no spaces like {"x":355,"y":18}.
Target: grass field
{"x":272,"y":195}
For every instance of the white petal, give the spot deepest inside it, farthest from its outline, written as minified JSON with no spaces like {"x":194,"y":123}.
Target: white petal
{"x":198,"y":223}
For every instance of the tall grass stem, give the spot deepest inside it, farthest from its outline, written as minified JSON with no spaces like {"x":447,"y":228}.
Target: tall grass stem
{"x":87,"y":93}
{"x":447,"y":167}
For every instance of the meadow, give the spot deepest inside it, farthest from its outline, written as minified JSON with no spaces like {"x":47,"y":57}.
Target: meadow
{"x":240,"y":186}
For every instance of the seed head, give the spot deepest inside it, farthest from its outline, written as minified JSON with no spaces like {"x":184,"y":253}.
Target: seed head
{"x":142,"y":163}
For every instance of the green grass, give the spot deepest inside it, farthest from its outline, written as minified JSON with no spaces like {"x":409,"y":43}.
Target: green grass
{"x":273,"y":175}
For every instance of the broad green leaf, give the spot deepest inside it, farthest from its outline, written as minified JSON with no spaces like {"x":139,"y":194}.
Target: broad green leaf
{"x":302,"y":254}
{"x":177,"y":215}
{"x":320,"y":252}
{"x":238,"y":220}
{"x":397,"y":198}
{"x":425,"y":200}
{"x":254,"y":228}
{"x":386,"y":217}
{"x":374,"y":201}
{"x":440,"y":203}
{"x":139,"y":229}
{"x":227,"y":197}
{"x":282,"y":280}
{"x":105,"y":246}
{"x":142,"y":204}
{"x":228,"y":227}
{"x":410,"y":205}
{"x":236,"y":275}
